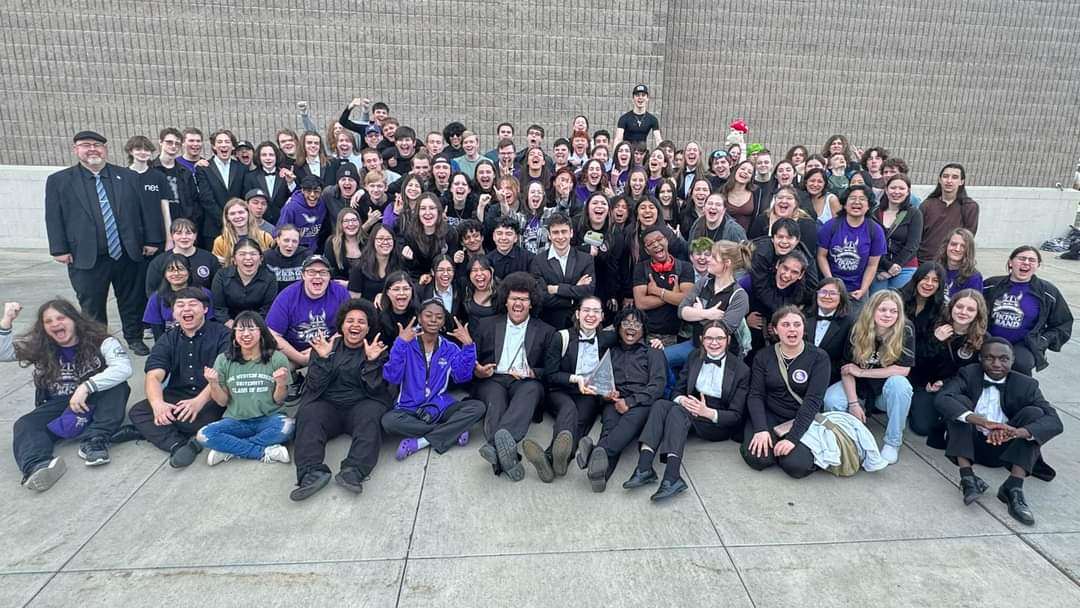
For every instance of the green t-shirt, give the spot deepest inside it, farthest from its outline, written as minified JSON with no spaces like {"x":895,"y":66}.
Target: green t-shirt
{"x":250,"y":385}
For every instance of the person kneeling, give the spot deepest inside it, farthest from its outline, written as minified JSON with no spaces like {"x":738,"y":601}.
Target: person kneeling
{"x":344,"y":394}
{"x":426,"y":414}
{"x":250,"y":379}
{"x":998,"y":418}
{"x":716,"y":414}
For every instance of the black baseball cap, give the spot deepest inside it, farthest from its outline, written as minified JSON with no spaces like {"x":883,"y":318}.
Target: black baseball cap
{"x":310,"y":182}
{"x":243,"y":143}
{"x":254,"y":192}
{"x":90,"y":135}
{"x":641,"y":89}
{"x":316,"y":259}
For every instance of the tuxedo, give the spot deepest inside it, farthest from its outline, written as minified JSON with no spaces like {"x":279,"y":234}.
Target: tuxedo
{"x":457,"y":308}
{"x":833,"y":342}
{"x":669,"y":423}
{"x":214,"y":193}
{"x":511,"y":402}
{"x":573,"y":411}
{"x":1023,"y":404}
{"x":75,"y":226}
{"x":558,"y":308}
{"x":276,"y":197}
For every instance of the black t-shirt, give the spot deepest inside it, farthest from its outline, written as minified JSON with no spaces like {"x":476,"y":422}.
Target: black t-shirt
{"x":873,"y":386}
{"x":663,"y":319}
{"x":172,"y":177}
{"x":636,"y":127}
{"x":203,"y":267}
{"x":153,"y":187}
{"x":287,"y":270}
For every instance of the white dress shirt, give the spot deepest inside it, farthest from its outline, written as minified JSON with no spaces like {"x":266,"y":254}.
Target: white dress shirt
{"x":513,"y":350}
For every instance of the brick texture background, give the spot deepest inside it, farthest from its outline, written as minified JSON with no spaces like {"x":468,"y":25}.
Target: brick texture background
{"x":992,"y":84}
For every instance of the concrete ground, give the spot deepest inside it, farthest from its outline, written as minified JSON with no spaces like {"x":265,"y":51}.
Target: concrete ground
{"x":440,"y":530}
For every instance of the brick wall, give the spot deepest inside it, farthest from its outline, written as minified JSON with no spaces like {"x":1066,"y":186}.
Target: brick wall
{"x":992,"y":84}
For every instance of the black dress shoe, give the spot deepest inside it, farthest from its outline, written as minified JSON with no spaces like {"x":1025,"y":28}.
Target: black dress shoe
{"x":183,"y":454}
{"x":539,"y":459}
{"x":669,"y":489}
{"x":597,"y":473}
{"x":138,"y":347}
{"x":1018,"y":507}
{"x":561,"y":451}
{"x":640,"y":478}
{"x":310,"y":483}
{"x":509,"y":459}
{"x":973,"y":487}
{"x":126,"y":433}
{"x":351,"y":480}
{"x":584,"y":452}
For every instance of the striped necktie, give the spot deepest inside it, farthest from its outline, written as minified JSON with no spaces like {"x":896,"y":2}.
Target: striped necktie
{"x":112,"y":235}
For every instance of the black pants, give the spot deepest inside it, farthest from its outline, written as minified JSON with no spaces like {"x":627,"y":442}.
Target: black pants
{"x":442,"y":434}
{"x":620,"y":430}
{"x":92,"y":289}
{"x":510,"y":404}
{"x":320,"y":421}
{"x":669,"y":425}
{"x":33,"y":441}
{"x":798,"y":463}
{"x":165,"y":437}
{"x":965,"y":441}
{"x":573,"y":412}
{"x":924,"y":419}
{"x":1023,"y":359}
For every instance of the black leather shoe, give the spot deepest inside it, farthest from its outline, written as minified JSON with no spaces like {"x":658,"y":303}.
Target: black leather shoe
{"x":669,"y":489}
{"x":640,"y":478}
{"x":972,"y":487}
{"x":351,"y":480}
{"x":138,"y":347}
{"x":561,"y":451}
{"x":1018,"y":507}
{"x":539,"y":459}
{"x":126,"y":433}
{"x":597,"y":473}
{"x":310,"y":483}
{"x":584,"y":452}
{"x":183,"y":454}
{"x":509,"y":459}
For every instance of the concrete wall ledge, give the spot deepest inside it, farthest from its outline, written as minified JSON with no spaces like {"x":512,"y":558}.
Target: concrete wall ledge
{"x":1009,"y":216}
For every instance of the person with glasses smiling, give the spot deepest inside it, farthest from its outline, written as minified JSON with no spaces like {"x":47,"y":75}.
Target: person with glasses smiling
{"x":1027,"y":311}
{"x":305,"y":310}
{"x":182,"y":195}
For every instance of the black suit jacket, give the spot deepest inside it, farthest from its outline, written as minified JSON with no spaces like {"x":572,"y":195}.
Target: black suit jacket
{"x":833,"y":342}
{"x":541,"y":345}
{"x":277,"y":198}
{"x":73,"y":218}
{"x":567,"y":366}
{"x":213,"y":194}
{"x":961,"y":394}
{"x":559,"y":307}
{"x":731,"y":405}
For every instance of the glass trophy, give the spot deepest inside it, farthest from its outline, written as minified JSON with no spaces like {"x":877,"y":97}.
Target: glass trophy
{"x":602,"y":379}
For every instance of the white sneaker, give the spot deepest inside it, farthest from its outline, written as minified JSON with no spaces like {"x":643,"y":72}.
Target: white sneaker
{"x":216,"y":457}
{"x":275,"y":453}
{"x":890,"y":453}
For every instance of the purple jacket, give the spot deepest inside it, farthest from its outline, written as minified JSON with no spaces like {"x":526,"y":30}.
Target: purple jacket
{"x":424,"y":385}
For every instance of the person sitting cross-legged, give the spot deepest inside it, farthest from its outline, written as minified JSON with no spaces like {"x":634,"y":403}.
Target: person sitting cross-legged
{"x":998,"y":417}
{"x":425,"y":413}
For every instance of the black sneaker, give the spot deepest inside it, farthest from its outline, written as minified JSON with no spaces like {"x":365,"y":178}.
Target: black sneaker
{"x":310,"y":483}
{"x":95,"y":451}
{"x":183,"y":454}
{"x":351,"y":480}
{"x":126,"y":433}
{"x":138,"y":347}
{"x":45,"y":474}
{"x":295,"y":389}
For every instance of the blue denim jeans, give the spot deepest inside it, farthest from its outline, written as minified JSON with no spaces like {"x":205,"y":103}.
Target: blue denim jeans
{"x":893,"y":282}
{"x":895,"y":400}
{"x":246,"y":438}
{"x":677,"y":354}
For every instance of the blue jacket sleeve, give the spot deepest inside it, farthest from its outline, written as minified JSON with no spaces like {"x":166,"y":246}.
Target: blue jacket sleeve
{"x":462,"y":364}
{"x":394,"y":370}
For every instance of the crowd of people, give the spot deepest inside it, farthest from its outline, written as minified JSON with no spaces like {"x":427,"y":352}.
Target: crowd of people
{"x":386,"y":284}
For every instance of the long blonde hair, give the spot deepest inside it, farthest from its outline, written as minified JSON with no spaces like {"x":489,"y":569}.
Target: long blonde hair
{"x":864,"y":334}
{"x":228,"y":232}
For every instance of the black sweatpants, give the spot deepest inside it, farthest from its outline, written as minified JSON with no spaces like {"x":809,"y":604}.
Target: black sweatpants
{"x":965,"y":441}
{"x":669,"y":425}
{"x":33,"y":441}
{"x":165,"y":437}
{"x":798,"y":463}
{"x":320,"y":421}
{"x":510,"y":404}
{"x":443,"y":434}
{"x":92,"y":289}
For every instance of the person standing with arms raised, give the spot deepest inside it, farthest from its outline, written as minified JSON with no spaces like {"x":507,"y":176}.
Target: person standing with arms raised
{"x":97,"y":227}
{"x":636,"y":125}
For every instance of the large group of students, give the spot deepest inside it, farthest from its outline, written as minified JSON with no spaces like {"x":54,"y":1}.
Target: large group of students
{"x":362,"y":281}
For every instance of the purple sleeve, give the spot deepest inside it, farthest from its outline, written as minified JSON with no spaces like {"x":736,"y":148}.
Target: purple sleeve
{"x":825,"y":234}
{"x":286,"y":217}
{"x":745,"y":282}
{"x":277,"y":318}
{"x":151,"y":316}
{"x":974,"y":282}
{"x":878,"y":245}
{"x":209,"y":309}
{"x":462,"y":363}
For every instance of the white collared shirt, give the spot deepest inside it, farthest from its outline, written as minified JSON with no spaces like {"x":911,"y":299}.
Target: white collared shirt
{"x":554,"y":255}
{"x":710,"y":380}
{"x":988,"y":406}
{"x":223,"y":169}
{"x":588,"y":355}
{"x":822,"y":327}
{"x":513,"y":350}
{"x":269,"y":177}
{"x":447,"y":297}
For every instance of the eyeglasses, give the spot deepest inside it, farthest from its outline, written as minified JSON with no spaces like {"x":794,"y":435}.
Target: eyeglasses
{"x":714,"y":339}
{"x":90,"y":145}
{"x":246,"y":254}
{"x":351,"y":220}
{"x":1027,"y":260}
{"x":444,"y":270}
{"x":828,"y":293}
{"x":630,"y":323}
{"x":317,"y":273}
{"x":384,"y":239}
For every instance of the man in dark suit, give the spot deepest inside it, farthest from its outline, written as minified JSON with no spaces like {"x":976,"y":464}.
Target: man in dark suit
{"x":221,"y":179}
{"x":514,"y":355}
{"x":998,"y":418}
{"x":98,"y":228}
{"x":566,"y":273}
{"x":271,"y":177}
{"x":710,"y":400}
{"x":570,"y":400}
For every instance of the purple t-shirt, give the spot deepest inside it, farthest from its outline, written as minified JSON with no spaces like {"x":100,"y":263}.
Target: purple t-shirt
{"x":298,"y":318}
{"x":850,"y":249}
{"x":308,"y":220}
{"x":973,"y":282}
{"x":157,"y":313}
{"x":1014,"y":313}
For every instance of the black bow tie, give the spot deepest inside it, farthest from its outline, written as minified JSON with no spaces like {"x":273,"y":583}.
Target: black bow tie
{"x":998,"y":385}
{"x":717,"y":362}
{"x":591,"y":340}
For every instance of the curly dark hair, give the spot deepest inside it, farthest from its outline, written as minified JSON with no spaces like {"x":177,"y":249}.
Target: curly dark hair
{"x":357,"y":304}
{"x":518,"y":281}
{"x":267,"y":343}
{"x":35,"y":347}
{"x":633,"y":312}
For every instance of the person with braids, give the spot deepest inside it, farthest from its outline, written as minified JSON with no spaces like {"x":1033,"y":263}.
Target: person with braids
{"x":80,"y":388}
{"x":877,"y":360}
